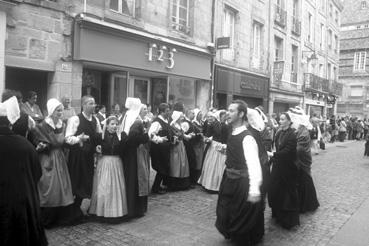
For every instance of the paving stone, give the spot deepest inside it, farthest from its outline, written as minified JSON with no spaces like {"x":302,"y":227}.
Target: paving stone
{"x":341,"y":177}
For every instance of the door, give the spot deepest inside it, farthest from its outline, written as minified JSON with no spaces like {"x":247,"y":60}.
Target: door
{"x":140,"y":88}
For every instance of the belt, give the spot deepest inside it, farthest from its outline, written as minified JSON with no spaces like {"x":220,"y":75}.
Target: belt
{"x":237,"y":173}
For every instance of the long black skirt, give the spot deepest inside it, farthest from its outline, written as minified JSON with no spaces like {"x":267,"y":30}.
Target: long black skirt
{"x":238,"y":219}
{"x":307,"y":194}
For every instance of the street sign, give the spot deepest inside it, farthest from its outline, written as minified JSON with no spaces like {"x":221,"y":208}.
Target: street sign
{"x":223,"y":43}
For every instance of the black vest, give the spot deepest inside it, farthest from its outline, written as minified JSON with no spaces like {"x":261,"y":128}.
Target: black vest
{"x":165,"y":128}
{"x":88,"y":128}
{"x":235,"y":156}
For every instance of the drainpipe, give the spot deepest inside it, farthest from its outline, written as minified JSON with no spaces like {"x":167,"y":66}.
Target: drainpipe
{"x":213,"y":51}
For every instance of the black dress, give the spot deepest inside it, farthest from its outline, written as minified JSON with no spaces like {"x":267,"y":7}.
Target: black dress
{"x":238,"y":219}
{"x":20,"y":170}
{"x":190,"y":151}
{"x":137,"y":205}
{"x":307,"y":194}
{"x":283,"y":197}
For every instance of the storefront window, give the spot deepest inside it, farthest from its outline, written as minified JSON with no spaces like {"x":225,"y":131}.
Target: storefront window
{"x":141,"y":87}
{"x":158,"y":92}
{"x":193,"y":93}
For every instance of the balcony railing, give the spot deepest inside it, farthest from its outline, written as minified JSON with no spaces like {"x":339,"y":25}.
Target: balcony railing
{"x":296,"y":26}
{"x":280,"y":16}
{"x":315,"y":83}
{"x":335,"y":88}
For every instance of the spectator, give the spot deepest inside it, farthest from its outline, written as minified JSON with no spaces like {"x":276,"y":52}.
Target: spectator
{"x":31,"y":108}
{"x":68,"y":110}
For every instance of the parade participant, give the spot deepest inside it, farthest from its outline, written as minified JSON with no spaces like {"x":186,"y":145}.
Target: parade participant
{"x":239,"y":203}
{"x":109,"y":189}
{"x":101,"y":114}
{"x":197,"y":143}
{"x":136,"y":158}
{"x":307,"y":194}
{"x":25,"y":122}
{"x":54,"y":187}
{"x":31,"y":108}
{"x":159,"y":134}
{"x":82,"y":134}
{"x":179,"y":170}
{"x":188,"y":137}
{"x":213,"y":166}
{"x":68,"y":110}
{"x":20,"y":170}
{"x":282,"y":195}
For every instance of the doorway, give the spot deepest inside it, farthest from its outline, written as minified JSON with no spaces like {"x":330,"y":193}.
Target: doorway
{"x":25,"y":80}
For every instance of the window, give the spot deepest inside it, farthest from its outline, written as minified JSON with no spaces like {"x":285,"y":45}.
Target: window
{"x":295,"y":8}
{"x":330,"y":39}
{"x":180,"y":15}
{"x":322,"y":32}
{"x":294,"y":63}
{"x":359,"y":61}
{"x":123,"y":6}
{"x":310,"y":34}
{"x":228,"y":31}
{"x":321,"y":70}
{"x":329,"y":71}
{"x":331,"y":10}
{"x":278,"y":43}
{"x":256,"y":52}
{"x":336,"y":43}
{"x":363,"y":4}
{"x":356,"y":91}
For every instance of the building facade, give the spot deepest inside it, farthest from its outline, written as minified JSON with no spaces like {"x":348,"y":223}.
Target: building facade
{"x":304,"y":55}
{"x":111,"y":50}
{"x":354,"y":67}
{"x":241,"y":71}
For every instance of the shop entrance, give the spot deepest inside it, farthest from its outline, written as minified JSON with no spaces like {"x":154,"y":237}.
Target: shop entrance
{"x":25,"y":80}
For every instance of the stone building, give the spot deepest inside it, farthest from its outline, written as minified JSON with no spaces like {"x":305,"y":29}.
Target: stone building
{"x":304,"y":53}
{"x":354,"y":68}
{"x":242,"y":70}
{"x":155,"y":50}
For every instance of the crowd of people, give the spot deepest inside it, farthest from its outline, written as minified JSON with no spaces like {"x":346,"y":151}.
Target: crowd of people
{"x":94,"y":166}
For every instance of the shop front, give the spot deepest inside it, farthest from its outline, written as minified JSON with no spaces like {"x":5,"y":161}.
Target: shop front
{"x":233,"y":84}
{"x":120,"y":62}
{"x":316,"y":104}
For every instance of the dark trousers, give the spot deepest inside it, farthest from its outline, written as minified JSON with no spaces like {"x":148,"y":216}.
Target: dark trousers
{"x":159,"y":178}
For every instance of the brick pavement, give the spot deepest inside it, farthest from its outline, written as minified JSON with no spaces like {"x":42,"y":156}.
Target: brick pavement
{"x":341,"y":176}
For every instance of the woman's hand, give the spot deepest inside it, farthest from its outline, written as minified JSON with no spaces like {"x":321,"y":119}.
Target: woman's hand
{"x":41,"y":146}
{"x":270,"y":154}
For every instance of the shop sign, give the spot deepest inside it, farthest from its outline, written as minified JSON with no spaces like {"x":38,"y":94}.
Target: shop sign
{"x":250,"y":85}
{"x":223,"y":43}
{"x":278,"y":70}
{"x":161,"y":53}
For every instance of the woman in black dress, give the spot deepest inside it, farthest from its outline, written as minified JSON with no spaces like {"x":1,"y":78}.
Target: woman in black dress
{"x":283,"y":196}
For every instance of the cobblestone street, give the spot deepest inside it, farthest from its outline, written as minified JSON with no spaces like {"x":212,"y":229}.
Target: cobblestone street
{"x":341,"y":176}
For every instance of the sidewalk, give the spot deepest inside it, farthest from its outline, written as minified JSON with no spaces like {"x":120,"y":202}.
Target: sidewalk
{"x":356,"y":230}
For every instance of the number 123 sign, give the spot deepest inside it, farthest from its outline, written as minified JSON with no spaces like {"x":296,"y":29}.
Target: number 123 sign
{"x":161,"y":54}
